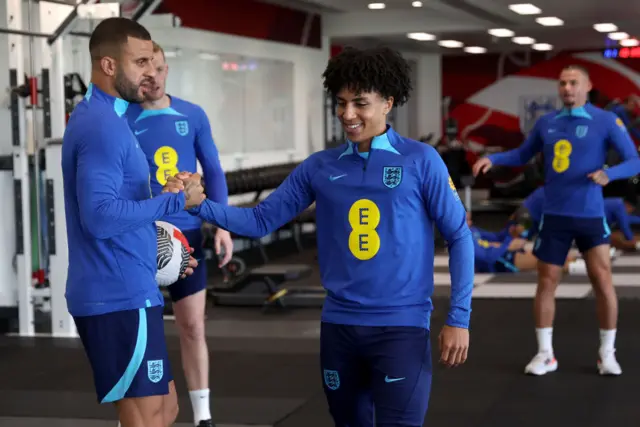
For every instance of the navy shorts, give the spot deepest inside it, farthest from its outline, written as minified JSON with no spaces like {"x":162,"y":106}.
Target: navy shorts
{"x":381,"y":372}
{"x":198,"y":280}
{"x":127,"y":352}
{"x":557,"y":234}
{"x":506,"y":263}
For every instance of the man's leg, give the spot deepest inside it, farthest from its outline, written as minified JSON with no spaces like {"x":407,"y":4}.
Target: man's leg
{"x":400,"y":358}
{"x":596,"y":255}
{"x":551,"y":248}
{"x":344,"y":376}
{"x":527,"y":261}
{"x":189,"y":303}
{"x":128,"y":355}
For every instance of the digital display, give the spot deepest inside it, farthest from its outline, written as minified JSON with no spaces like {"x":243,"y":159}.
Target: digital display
{"x":623,"y":52}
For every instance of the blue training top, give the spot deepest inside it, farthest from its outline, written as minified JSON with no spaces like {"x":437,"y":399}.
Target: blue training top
{"x":375,"y":215}
{"x":109,"y":211}
{"x":490,"y":248}
{"x":574,"y":144}
{"x":174,"y":139}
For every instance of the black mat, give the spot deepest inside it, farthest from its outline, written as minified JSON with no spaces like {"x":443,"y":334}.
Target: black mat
{"x":253,"y":383}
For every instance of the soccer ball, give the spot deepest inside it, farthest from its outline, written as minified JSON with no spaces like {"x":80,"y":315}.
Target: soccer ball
{"x":173,"y":253}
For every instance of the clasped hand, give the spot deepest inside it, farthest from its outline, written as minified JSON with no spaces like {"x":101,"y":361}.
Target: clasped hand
{"x":191,"y":184}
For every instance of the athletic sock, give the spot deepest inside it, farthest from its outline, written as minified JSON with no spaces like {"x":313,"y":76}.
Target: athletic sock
{"x":545,"y":338}
{"x":200,"y":405}
{"x":607,"y":340}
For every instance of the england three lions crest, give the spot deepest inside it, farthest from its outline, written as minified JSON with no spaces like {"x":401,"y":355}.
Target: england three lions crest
{"x":331,"y":379}
{"x":392,"y":176}
{"x":182,"y":127}
{"x":155,"y":370}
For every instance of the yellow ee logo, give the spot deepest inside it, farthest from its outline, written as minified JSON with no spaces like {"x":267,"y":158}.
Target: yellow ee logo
{"x":364,"y":218}
{"x":620,"y":123}
{"x":166,"y":159}
{"x":561,"y":153}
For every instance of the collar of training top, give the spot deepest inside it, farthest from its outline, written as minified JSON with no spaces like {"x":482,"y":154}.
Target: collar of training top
{"x":575,"y":112}
{"x":119,"y":105}
{"x":382,"y":142}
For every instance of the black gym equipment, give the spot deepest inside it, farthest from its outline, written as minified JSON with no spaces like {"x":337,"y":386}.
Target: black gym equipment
{"x":268,"y":284}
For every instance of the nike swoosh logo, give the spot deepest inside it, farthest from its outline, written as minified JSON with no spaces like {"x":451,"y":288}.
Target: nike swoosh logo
{"x":333,"y":178}
{"x":138,"y":132}
{"x":392,"y":380}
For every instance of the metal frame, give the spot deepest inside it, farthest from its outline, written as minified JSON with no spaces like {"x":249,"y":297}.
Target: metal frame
{"x":20,"y":173}
{"x":54,"y":19}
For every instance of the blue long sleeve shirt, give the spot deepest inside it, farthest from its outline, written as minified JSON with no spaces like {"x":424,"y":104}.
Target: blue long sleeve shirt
{"x":375,"y":215}
{"x":109,"y":211}
{"x":489,"y":248}
{"x":616,"y":214}
{"x":574,"y":144}
{"x":174,"y":139}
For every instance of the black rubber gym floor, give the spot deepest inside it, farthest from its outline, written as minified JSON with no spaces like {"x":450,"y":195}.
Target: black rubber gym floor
{"x":271,"y":377}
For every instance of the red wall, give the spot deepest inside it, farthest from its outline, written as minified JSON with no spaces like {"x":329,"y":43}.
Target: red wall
{"x":246,"y":18}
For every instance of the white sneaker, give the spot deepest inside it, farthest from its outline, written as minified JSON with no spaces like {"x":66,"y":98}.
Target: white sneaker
{"x":613,"y":252}
{"x":607,"y":364}
{"x":541,"y":364}
{"x":578,"y":267}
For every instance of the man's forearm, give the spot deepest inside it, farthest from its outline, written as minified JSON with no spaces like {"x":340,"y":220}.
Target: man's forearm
{"x":461,"y":268}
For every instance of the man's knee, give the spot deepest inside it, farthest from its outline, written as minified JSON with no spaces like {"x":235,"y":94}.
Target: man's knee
{"x":548,"y":276}
{"x":192,"y":328}
{"x":189,"y":314}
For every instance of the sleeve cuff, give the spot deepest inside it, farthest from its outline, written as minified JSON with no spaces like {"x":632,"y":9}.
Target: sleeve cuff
{"x":458,"y":318}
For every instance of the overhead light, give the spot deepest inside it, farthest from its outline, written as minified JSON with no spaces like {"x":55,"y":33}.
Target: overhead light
{"x":629,"y":43}
{"x":423,"y":37}
{"x":170,"y":54}
{"x":542,"y":46}
{"x":605,"y":28}
{"x":450,"y":43}
{"x":618,"y":36}
{"x":501,"y":32}
{"x":475,"y":49}
{"x":524,"y":9}
{"x":550,"y":21}
{"x":208,"y":56}
{"x":523,"y":40}
{"x":376,"y":6}
{"x":416,"y":4}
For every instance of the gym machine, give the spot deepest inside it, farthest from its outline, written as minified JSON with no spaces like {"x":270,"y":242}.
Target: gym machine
{"x":33,"y":258}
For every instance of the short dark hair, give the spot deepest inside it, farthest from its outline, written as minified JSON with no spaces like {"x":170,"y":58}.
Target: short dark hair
{"x":382,"y":70}
{"x":577,"y":67}
{"x":111,"y":34}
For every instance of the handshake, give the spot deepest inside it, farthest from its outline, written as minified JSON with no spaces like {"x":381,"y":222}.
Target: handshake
{"x":191,"y":184}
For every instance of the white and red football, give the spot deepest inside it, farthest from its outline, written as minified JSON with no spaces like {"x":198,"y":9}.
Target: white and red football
{"x":173,"y":253}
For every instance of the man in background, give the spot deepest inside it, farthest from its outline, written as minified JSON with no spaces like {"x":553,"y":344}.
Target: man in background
{"x":174,"y":135}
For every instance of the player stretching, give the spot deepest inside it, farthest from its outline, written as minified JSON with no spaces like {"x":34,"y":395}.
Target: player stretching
{"x":377,"y":199}
{"x":574,"y":142}
{"x":174,"y":134}
{"x":112,"y":292}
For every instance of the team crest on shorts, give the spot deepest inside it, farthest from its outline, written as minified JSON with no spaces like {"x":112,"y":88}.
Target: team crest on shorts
{"x":392,"y":176}
{"x":581,"y":131}
{"x":182,"y":127}
{"x":331,"y":379}
{"x":155,"y":370}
